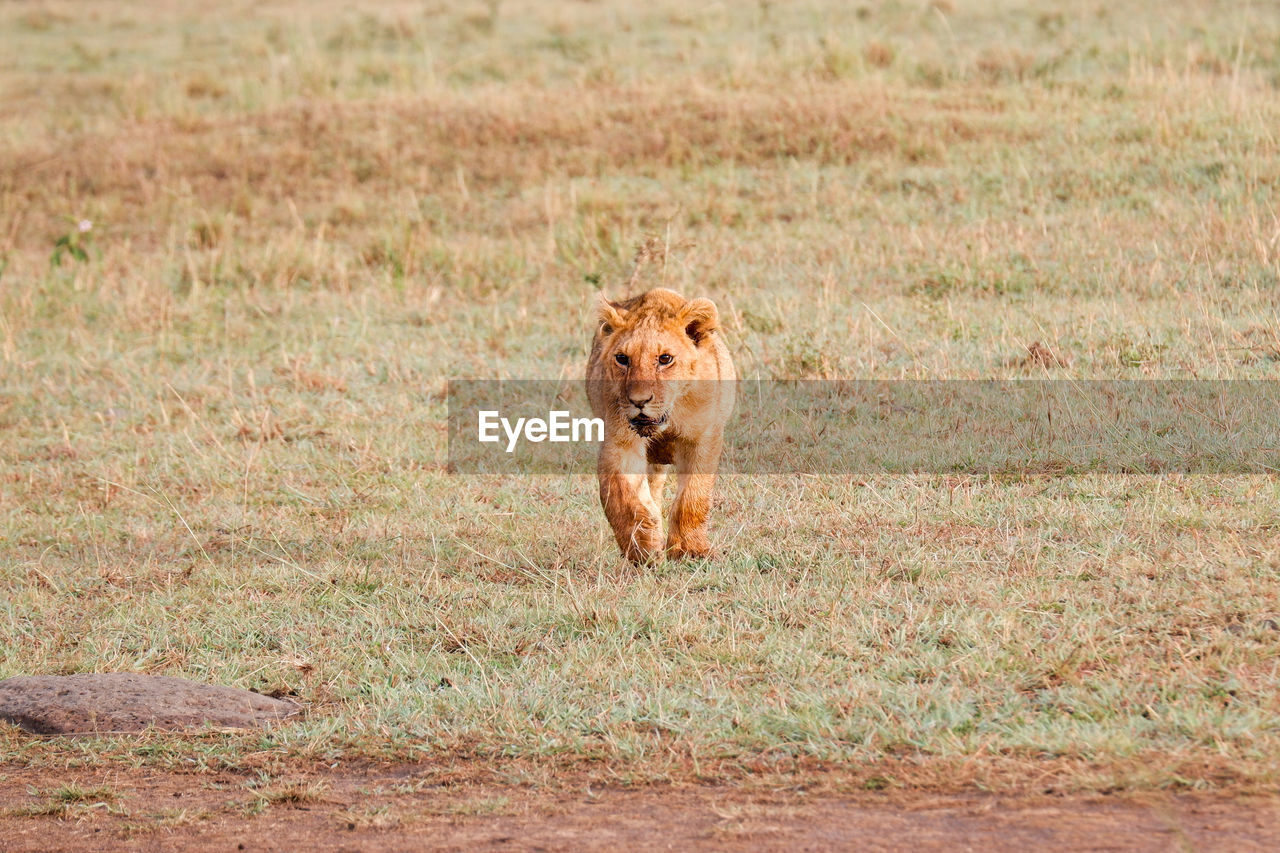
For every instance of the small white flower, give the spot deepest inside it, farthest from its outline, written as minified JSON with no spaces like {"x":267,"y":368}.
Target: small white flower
{"x":85,"y":226}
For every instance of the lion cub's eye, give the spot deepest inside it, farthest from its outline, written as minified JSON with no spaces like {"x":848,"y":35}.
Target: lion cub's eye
{"x":622,"y":359}
{"x":666,"y":358}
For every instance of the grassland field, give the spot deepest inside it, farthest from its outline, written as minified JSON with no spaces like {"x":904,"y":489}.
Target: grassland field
{"x":222,"y":407}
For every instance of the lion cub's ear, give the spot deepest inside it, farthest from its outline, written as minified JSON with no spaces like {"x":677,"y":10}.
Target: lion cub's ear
{"x":700,"y":319}
{"x":609,"y":315}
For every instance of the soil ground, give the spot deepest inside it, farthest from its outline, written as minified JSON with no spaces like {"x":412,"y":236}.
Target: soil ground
{"x":401,"y":808}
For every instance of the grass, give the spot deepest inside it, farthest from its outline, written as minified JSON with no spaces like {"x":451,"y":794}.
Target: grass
{"x":72,"y":801}
{"x":224,"y":427}
{"x":294,"y":792}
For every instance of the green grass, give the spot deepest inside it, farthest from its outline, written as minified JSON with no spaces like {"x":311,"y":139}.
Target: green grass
{"x":223,"y":431}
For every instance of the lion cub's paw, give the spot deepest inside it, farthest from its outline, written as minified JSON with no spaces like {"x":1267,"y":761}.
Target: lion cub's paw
{"x":644,"y":556}
{"x":689,"y":551}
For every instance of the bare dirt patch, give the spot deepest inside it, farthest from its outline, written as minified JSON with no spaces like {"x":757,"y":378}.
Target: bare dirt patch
{"x":399,"y":807}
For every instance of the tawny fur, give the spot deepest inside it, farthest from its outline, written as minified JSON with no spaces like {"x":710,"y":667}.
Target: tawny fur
{"x":658,"y":416}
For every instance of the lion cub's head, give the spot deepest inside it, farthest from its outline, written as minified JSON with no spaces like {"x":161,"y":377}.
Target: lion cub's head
{"x":648,"y":350}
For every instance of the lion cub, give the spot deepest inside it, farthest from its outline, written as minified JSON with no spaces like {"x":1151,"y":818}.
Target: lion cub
{"x":661,"y":377}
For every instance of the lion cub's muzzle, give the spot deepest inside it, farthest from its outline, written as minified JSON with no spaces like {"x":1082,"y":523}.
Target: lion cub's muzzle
{"x":648,"y":426}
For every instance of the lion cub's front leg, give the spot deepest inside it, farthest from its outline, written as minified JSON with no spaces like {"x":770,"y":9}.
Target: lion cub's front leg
{"x":695,"y":479}
{"x":632,"y":511}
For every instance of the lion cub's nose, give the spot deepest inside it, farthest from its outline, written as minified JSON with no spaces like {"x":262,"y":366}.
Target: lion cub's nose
{"x":639,"y":404}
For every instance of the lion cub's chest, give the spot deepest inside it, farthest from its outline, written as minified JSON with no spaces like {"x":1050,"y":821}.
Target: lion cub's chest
{"x":661,"y":450}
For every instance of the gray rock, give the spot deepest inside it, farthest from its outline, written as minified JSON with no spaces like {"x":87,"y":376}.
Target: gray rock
{"x":129,"y":702}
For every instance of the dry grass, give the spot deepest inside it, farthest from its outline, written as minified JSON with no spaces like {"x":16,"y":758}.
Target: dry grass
{"x":295,"y":792}
{"x":223,"y":429}
{"x":72,"y":801}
